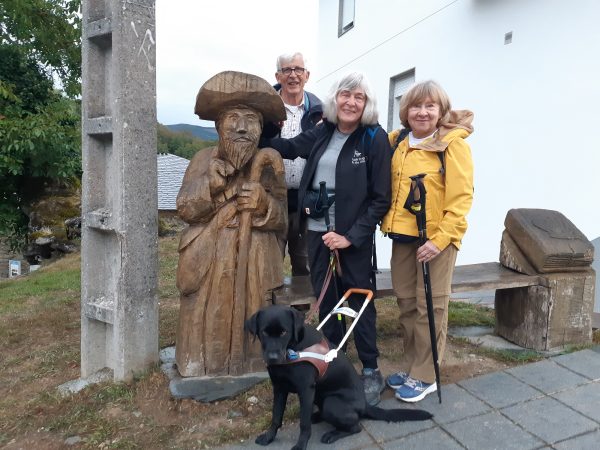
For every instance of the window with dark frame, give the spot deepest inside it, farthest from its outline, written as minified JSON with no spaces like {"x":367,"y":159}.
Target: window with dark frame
{"x":345,"y":16}
{"x":399,"y":85}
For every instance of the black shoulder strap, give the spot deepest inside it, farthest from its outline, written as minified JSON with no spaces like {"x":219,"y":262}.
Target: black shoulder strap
{"x":442,"y":157}
{"x":403,"y":133}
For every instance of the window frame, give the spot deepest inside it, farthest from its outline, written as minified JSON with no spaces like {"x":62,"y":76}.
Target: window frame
{"x":408,"y":77}
{"x":344,"y":28}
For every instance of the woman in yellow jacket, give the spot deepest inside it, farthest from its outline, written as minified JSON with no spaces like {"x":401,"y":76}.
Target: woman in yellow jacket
{"x":435,"y":146}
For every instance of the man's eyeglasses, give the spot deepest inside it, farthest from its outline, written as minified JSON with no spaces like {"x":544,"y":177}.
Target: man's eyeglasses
{"x":288,"y":70}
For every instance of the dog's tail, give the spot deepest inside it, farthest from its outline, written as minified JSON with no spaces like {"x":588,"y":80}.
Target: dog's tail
{"x":396,"y":415}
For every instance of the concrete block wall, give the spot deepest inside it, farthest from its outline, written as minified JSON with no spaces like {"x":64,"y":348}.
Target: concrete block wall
{"x":119,"y":257}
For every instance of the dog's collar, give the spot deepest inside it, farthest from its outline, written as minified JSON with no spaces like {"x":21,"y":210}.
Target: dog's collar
{"x":315,"y":354}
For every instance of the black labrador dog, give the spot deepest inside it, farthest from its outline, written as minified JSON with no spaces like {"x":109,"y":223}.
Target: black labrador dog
{"x":335,"y":387}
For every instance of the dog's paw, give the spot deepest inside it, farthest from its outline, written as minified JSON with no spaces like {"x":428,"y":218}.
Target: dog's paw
{"x":330,"y":437}
{"x":264,"y":439}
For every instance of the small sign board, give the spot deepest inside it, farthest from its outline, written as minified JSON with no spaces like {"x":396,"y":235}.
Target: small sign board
{"x":14,"y":268}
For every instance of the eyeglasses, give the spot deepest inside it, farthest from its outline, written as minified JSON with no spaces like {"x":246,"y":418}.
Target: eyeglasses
{"x":288,"y":70}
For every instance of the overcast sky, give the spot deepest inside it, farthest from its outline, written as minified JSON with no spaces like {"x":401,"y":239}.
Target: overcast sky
{"x":196,"y":39}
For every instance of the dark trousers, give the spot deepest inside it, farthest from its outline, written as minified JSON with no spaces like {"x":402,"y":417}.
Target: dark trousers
{"x":356,"y":273}
{"x":296,"y":245}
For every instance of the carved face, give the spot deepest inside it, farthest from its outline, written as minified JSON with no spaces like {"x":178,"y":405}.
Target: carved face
{"x":239,"y":131}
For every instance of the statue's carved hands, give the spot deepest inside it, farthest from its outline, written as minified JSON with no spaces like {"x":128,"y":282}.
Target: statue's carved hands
{"x":253,"y":197}
{"x":219,"y":171}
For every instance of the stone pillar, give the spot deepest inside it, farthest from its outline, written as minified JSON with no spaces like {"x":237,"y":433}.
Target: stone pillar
{"x":119,"y":302}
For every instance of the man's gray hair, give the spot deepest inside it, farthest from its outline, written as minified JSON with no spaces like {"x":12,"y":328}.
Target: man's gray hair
{"x":289,"y":57}
{"x":350,"y":82}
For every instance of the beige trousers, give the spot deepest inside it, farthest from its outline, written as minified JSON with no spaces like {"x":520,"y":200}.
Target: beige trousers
{"x":407,"y":281}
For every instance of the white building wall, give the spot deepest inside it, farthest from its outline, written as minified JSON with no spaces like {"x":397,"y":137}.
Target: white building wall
{"x":536,"y":101}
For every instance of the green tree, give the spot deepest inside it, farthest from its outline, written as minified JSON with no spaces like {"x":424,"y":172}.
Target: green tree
{"x":49,"y":33}
{"x":181,"y":144}
{"x":39,"y":124}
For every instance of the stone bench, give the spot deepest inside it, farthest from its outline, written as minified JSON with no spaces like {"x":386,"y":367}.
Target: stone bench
{"x":541,"y":312}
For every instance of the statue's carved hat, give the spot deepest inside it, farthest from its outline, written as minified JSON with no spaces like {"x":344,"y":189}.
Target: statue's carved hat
{"x":227,"y":89}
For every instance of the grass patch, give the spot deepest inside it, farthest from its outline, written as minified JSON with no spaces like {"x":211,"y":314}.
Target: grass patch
{"x":45,"y":287}
{"x":114,"y":393}
{"x":462,"y":314}
{"x":513,"y":357}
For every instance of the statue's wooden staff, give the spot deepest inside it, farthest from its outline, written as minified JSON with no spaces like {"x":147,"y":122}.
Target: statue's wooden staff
{"x":266,"y":156}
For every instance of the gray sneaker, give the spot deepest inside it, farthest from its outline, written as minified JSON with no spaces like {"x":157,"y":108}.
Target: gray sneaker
{"x":373,"y":385}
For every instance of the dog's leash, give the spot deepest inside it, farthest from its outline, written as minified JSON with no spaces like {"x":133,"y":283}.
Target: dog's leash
{"x":334,"y":262}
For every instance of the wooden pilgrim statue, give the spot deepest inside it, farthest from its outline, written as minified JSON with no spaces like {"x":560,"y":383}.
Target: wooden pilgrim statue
{"x":233,"y":197}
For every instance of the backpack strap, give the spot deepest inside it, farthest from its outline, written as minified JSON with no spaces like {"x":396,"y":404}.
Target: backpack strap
{"x":403,"y":133}
{"x":442,"y":158}
{"x":367,"y":138}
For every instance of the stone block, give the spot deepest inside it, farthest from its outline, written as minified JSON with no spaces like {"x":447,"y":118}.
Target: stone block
{"x":549,"y":419}
{"x":485,"y":432}
{"x":584,"y":399}
{"x":547,"y":376}
{"x":548,"y":317}
{"x":512,"y":257}
{"x":550,"y":241}
{"x":585,"y":362}
{"x":210,"y":389}
{"x":434,"y":438}
{"x":587,"y":441}
{"x":499,"y":389}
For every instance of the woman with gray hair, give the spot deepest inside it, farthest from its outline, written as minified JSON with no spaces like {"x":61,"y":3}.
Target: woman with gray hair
{"x":350,"y":152}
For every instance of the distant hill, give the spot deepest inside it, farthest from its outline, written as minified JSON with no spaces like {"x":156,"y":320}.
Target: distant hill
{"x":204,"y":133}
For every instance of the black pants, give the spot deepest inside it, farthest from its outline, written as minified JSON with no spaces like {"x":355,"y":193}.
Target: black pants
{"x":296,"y":237}
{"x":357,"y":270}
{"x":296,"y":246}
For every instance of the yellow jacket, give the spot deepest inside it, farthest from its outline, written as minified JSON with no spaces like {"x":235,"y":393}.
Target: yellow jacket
{"x":449,"y":196}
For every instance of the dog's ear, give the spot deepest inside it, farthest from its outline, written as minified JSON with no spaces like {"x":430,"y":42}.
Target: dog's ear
{"x":298,"y":323}
{"x":251,"y":325}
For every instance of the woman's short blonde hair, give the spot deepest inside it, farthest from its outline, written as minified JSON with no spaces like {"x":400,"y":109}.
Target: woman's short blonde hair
{"x":420,"y":92}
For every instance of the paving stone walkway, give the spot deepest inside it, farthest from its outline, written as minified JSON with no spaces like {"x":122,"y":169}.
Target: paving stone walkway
{"x":550,"y":404}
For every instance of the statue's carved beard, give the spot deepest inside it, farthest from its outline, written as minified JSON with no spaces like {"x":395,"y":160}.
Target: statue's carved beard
{"x":238,"y":153}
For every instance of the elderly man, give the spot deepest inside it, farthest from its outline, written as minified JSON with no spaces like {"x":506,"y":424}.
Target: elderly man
{"x":303,"y":112}
{"x":233,"y":197}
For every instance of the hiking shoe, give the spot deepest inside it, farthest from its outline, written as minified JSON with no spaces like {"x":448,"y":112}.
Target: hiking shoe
{"x":396,"y":380}
{"x":373,"y":385}
{"x":414,"y":390}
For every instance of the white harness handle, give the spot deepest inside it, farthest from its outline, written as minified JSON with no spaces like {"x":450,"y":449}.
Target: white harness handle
{"x":339,"y":309}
